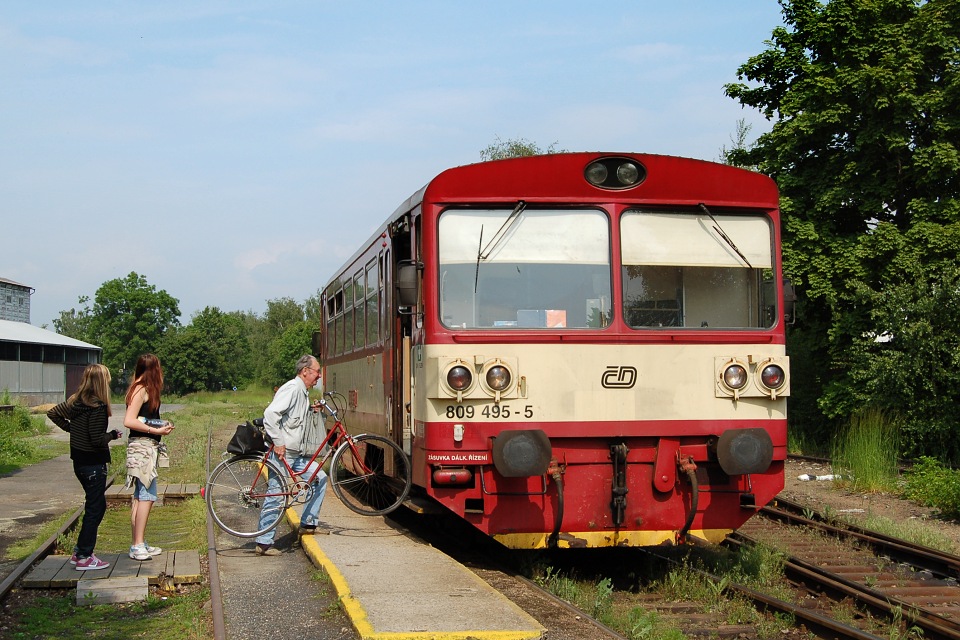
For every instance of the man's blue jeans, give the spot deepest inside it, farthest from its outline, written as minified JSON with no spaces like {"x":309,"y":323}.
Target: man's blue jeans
{"x":271,"y":505}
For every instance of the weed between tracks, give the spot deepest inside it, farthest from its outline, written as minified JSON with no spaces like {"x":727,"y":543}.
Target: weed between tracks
{"x":628,"y":603}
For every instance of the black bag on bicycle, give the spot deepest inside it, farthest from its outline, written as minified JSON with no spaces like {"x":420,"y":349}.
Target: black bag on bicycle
{"x":247,"y":439}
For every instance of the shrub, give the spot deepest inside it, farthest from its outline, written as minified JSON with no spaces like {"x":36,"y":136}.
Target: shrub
{"x":931,"y":484}
{"x":16,"y":429}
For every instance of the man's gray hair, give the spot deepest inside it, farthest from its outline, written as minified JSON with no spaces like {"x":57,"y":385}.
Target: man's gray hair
{"x":304,"y":362}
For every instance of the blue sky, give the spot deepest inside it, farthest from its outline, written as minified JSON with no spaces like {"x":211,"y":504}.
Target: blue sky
{"x":237,"y":152}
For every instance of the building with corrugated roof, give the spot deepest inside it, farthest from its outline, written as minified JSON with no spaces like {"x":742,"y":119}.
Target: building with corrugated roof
{"x":39,"y":366}
{"x":15,"y":301}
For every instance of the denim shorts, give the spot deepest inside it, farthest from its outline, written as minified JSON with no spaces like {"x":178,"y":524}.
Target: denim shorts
{"x":144,"y":492}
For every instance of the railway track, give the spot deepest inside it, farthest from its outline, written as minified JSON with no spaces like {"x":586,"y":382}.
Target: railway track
{"x":884,"y":579}
{"x":848,"y":582}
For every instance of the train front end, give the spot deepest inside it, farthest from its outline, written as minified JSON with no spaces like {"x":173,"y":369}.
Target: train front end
{"x":601,"y":364}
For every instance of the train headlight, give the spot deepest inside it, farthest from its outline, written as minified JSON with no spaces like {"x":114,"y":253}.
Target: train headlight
{"x":752,"y":376}
{"x":498,"y":377}
{"x":596,"y":173}
{"x":628,"y":174}
{"x":614,"y":173}
{"x":772,"y":376}
{"x":457,"y":379}
{"x":735,"y":376}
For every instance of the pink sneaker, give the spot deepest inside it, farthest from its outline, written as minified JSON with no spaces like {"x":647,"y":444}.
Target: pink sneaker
{"x":90,"y":564}
{"x":73,"y":559}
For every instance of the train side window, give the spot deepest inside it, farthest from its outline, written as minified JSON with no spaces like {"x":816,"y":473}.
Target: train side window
{"x":358,"y":320}
{"x":372,"y":304}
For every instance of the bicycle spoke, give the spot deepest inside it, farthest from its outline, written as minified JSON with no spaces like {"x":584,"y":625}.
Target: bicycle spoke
{"x":370,"y":474}
{"x":236,"y":493}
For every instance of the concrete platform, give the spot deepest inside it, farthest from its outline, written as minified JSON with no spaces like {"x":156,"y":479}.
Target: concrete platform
{"x":394,"y":587}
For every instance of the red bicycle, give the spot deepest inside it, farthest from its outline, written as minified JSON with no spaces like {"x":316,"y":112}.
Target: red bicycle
{"x":370,"y":474}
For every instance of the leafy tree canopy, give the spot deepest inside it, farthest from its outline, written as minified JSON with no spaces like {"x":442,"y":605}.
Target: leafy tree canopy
{"x":75,"y":323}
{"x":515,"y":148}
{"x":864,"y":96}
{"x":129,"y":318}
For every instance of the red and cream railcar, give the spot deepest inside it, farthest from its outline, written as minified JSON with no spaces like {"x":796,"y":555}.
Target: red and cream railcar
{"x":576,"y":350}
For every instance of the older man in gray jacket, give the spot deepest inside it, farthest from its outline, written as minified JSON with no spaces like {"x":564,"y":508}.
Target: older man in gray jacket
{"x":284,"y":420}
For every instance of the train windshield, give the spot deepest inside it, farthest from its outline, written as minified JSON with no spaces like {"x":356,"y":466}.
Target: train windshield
{"x":524,"y":268}
{"x":697,"y":270}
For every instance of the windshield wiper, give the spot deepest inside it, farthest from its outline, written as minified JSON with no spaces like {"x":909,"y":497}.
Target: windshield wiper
{"x":483,"y":252}
{"x":502,"y":231}
{"x":726,"y":238}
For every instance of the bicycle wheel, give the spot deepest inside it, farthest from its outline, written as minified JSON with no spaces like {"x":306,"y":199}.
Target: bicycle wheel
{"x":370,"y":474}
{"x":236,"y":492}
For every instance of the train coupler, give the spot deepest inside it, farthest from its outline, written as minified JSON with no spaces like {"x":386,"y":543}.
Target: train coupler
{"x":689,"y":468}
{"x":618,"y":502}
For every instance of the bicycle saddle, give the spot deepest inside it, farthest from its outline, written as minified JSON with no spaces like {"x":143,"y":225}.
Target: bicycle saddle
{"x":258,"y":423}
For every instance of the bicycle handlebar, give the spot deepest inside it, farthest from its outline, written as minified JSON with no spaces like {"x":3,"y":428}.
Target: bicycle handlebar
{"x":333,"y":410}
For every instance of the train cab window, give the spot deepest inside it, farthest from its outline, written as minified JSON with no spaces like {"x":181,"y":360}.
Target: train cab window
{"x":680,"y":271}
{"x":520,"y":268}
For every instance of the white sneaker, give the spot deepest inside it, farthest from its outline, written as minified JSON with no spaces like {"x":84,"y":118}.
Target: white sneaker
{"x":153,"y":551}
{"x":139,"y":552}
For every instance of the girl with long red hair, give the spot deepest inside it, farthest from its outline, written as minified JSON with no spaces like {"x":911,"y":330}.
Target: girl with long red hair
{"x":146,"y":427}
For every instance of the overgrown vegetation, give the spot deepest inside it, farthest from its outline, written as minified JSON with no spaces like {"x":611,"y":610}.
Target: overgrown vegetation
{"x":865,"y":453}
{"x":58,"y":617}
{"x":18,"y":445}
{"x":630,"y":613}
{"x":863,"y":146}
{"x":931,"y":483}
{"x":172,"y":526}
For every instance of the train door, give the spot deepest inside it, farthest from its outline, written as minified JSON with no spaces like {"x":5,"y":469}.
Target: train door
{"x":406,"y":308}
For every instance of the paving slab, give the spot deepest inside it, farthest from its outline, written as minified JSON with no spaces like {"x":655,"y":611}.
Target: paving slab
{"x":394,"y":586}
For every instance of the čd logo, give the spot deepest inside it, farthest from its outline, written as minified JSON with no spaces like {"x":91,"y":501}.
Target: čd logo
{"x":619,"y":377}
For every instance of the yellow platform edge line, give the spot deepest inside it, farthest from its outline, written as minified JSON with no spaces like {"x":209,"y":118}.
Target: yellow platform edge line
{"x":358,"y":615}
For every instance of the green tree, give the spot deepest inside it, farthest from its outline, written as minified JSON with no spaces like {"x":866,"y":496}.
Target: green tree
{"x":735,"y":154}
{"x":281,"y":315}
{"x":313,"y":309}
{"x":211,"y":353}
{"x":286,"y":349}
{"x":75,"y":323}
{"x":130,"y":317}
{"x":515,"y":148}
{"x":864,"y":96}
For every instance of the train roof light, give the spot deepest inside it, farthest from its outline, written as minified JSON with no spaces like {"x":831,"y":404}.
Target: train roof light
{"x":615,"y":173}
